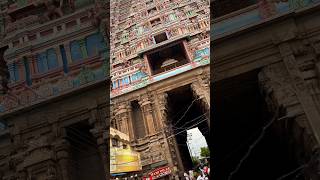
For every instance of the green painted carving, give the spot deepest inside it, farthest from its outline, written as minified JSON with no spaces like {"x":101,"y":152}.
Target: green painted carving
{"x":22,"y":3}
{"x":105,"y":68}
{"x":86,"y":75}
{"x":83,"y":48}
{"x":82,"y":3}
{"x":296,"y":4}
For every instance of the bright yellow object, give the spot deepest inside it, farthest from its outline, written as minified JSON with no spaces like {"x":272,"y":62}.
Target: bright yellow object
{"x":124,"y":160}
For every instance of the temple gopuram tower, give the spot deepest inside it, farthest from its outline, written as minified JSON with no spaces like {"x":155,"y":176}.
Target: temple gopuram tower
{"x":159,"y":64}
{"x":53,"y":104}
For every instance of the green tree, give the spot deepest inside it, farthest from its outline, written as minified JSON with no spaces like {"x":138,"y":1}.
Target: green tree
{"x":195,"y":161}
{"x":204,"y":152}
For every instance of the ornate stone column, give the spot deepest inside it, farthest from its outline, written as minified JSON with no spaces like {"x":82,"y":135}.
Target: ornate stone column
{"x":147,"y":111}
{"x":290,"y":53}
{"x":32,"y":61}
{"x":62,"y":152}
{"x":291,"y":84}
{"x":68,"y":53}
{"x":51,"y":173}
{"x":130,"y":119}
{"x":59,"y":56}
{"x":82,"y":43}
{"x":122,"y":118}
{"x":201,"y":90}
{"x":100,"y":134}
{"x":162,"y":104}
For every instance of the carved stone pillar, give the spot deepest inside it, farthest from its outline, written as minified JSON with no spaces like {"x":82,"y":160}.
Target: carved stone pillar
{"x":162,"y":104}
{"x":59,"y":55}
{"x":122,"y":118}
{"x":32,"y":60}
{"x":130,"y":125}
{"x":68,"y":53}
{"x":201,"y":90}
{"x":51,"y":173}
{"x":102,"y":141}
{"x":162,"y":107}
{"x":62,"y":151}
{"x":282,"y":84}
{"x":290,"y":54}
{"x":82,"y":43}
{"x":146,"y":107}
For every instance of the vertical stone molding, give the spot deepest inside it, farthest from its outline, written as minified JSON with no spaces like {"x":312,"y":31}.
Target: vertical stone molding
{"x":51,"y":173}
{"x":130,"y":125}
{"x":82,"y":43}
{"x":279,"y":86}
{"x":290,"y":54}
{"x":122,"y":117}
{"x":62,"y":152}
{"x":68,"y":53}
{"x":146,"y":107}
{"x":201,"y":90}
{"x":59,"y":55}
{"x":103,"y":147}
{"x":32,"y":60}
{"x":162,"y":102}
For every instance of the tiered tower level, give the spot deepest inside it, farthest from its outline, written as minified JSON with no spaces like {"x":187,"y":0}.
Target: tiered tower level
{"x":55,"y":47}
{"x":152,"y":40}
{"x":158,"y":47}
{"x":57,"y":95}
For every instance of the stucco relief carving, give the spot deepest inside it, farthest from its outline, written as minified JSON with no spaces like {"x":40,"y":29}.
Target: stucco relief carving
{"x":267,"y":8}
{"x":38,"y":151}
{"x":51,"y":173}
{"x":281,"y":88}
{"x":145,"y":102}
{"x":275,"y":79}
{"x":64,"y":83}
{"x":163,"y":107}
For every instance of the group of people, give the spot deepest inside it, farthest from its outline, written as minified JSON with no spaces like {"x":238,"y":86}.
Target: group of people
{"x":200,"y":174}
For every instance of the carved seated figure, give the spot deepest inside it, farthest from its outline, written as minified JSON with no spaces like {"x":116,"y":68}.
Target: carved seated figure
{"x":10,"y":25}
{"x":169,"y":64}
{"x":53,"y":9}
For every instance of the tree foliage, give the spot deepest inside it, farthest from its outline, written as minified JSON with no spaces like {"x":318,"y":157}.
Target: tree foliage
{"x":204,"y":152}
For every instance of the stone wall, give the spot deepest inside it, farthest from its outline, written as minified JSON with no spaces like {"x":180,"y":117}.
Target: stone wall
{"x":156,"y":148}
{"x":286,"y":52}
{"x":36,"y":144}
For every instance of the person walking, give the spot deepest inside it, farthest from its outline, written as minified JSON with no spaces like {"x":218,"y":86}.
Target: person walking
{"x":200,"y":177}
{"x":186,"y":176}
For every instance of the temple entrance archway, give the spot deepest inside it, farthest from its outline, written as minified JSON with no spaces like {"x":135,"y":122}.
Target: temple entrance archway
{"x":185,"y":112}
{"x":239,"y":117}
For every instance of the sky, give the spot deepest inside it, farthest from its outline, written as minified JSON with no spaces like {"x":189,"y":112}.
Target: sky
{"x":196,"y":141}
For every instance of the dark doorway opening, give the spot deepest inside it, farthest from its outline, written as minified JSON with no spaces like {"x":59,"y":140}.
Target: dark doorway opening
{"x":240,"y":112}
{"x":86,"y":160}
{"x":160,"y":37}
{"x":186,"y":112}
{"x":223,"y":7}
{"x":138,"y":122}
{"x":167,"y":58}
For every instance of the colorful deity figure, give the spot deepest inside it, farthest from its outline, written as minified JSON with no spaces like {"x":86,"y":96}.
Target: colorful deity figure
{"x":267,"y":8}
{"x":9,"y":24}
{"x":53,"y":9}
